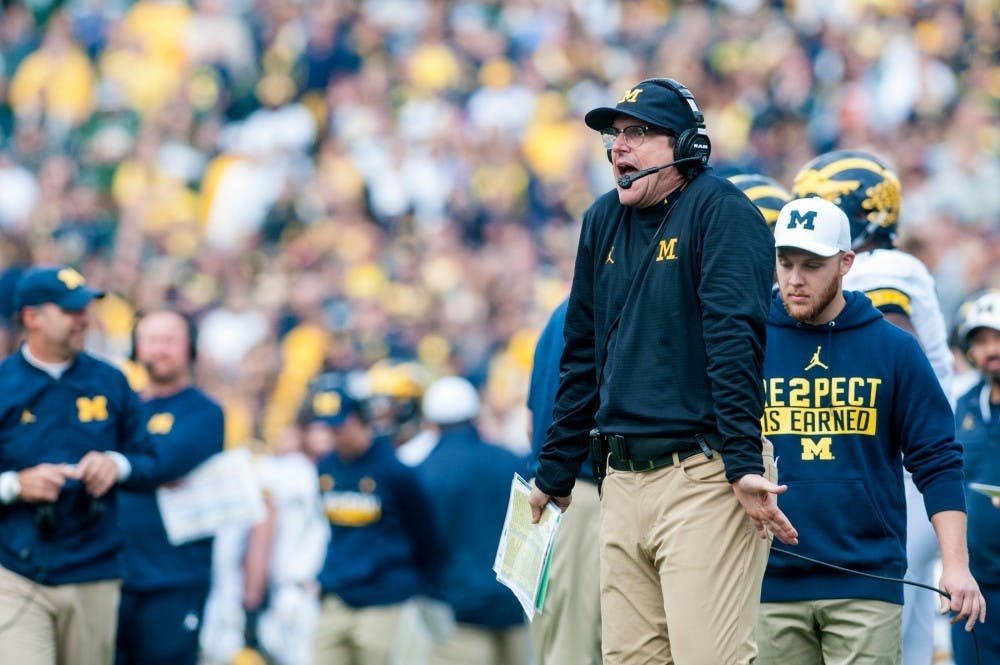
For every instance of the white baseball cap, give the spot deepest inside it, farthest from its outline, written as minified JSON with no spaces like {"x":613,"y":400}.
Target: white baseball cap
{"x":814,"y":225}
{"x":450,"y":400}
{"x":984,"y":312}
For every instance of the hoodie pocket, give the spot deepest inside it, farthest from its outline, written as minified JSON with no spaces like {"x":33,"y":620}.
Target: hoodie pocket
{"x":838,"y":522}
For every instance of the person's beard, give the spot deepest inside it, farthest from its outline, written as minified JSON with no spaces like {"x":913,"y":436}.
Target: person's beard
{"x":992,"y":375}
{"x":160,"y":375}
{"x":807,"y":313}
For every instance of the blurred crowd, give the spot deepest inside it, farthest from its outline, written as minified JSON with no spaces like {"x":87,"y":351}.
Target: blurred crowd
{"x":324,"y":184}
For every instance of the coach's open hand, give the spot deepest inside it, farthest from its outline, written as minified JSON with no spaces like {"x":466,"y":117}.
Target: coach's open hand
{"x":757,"y":494}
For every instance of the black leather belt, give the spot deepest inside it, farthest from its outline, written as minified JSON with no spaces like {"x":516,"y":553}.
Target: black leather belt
{"x":645,"y":453}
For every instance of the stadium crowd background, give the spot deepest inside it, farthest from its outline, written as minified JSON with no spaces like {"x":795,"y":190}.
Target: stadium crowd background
{"x":326,"y":183}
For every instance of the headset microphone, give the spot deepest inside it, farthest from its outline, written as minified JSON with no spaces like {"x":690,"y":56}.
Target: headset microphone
{"x":626,"y":181}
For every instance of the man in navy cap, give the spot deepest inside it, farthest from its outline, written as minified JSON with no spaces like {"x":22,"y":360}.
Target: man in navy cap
{"x":661,"y":377}
{"x":384,"y":548}
{"x":71,"y":432}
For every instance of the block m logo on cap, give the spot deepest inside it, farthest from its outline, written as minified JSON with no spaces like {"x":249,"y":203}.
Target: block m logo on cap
{"x":807,"y":219}
{"x":631,"y":97}
{"x":71,"y":278}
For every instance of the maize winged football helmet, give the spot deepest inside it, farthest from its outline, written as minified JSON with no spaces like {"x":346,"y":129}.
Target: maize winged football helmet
{"x":766,"y":193}
{"x":862,"y":185}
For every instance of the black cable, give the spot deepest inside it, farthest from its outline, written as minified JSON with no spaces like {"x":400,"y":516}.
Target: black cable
{"x":884,"y":578}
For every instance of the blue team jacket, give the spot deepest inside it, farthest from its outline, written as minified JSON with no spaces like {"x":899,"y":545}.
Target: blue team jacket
{"x":468,"y":481}
{"x":848,"y":404}
{"x":90,"y":407}
{"x":187,"y":429}
{"x":384,"y":547}
{"x":979,"y":434}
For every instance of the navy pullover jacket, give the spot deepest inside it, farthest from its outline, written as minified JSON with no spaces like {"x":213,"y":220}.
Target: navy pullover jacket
{"x":469,"y":482}
{"x":384,"y":547}
{"x":691,"y":280}
{"x":848,"y":404}
{"x":90,"y":407}
{"x":186,"y":428}
{"x":979,"y":434}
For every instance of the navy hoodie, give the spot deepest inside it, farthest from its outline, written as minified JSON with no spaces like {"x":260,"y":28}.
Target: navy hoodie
{"x":848,"y":403}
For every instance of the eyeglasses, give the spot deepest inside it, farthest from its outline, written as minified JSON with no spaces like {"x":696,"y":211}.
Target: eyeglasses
{"x":634,"y":135}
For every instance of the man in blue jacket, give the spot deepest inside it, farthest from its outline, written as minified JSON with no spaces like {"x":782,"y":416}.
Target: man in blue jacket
{"x":468,"y":481}
{"x":71,"y":433}
{"x":165,"y":585}
{"x":850,"y":399}
{"x":384,"y":548}
{"x":978,"y":416}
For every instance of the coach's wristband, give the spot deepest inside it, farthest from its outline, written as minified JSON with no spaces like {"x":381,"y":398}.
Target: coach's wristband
{"x":10,"y":487}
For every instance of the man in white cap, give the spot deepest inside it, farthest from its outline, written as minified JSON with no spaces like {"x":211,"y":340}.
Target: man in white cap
{"x":978,"y":418}
{"x":468,"y":480}
{"x":850,"y":400}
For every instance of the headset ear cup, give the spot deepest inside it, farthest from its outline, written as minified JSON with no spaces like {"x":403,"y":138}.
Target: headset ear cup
{"x":682,"y":145}
{"x":132,"y":355}
{"x":692,"y":143}
{"x":192,"y":339}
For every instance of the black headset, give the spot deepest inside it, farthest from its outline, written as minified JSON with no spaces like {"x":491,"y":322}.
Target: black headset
{"x":192,"y":332}
{"x":692,"y":143}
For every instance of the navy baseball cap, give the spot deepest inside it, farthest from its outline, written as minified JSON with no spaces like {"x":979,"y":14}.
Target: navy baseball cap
{"x":653,"y":101}
{"x":60,"y":285}
{"x":333,"y":406}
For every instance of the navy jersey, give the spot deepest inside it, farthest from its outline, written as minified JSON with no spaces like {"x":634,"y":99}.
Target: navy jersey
{"x":187,"y":429}
{"x":384,"y":547}
{"x":45,"y":420}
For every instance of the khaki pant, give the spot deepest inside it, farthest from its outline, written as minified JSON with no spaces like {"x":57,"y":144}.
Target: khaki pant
{"x":569,"y":628}
{"x":355,"y":636}
{"x":681,"y":566}
{"x":483,"y":647}
{"x":68,"y":624}
{"x":830,"y":632}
